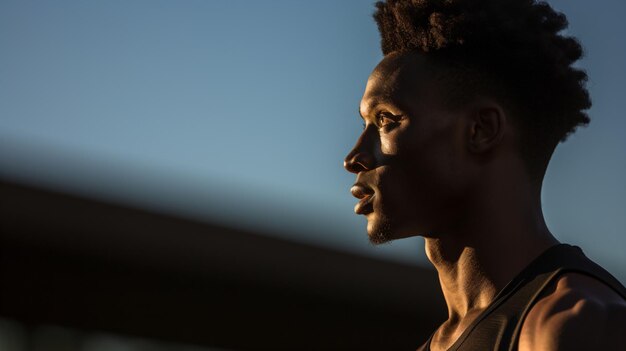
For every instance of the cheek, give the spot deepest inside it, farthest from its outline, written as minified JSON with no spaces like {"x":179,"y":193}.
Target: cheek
{"x":388,"y":145}
{"x":424,"y":160}
{"x":425,"y":167}
{"x":432,"y":156}
{"x":400,"y":207}
{"x":397,"y":191}
{"x":397,"y":140}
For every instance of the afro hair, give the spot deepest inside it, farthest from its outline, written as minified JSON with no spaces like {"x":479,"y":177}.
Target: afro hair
{"x":516,"y":47}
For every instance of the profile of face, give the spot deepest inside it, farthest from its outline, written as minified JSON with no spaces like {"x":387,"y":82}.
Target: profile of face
{"x":411,"y":163}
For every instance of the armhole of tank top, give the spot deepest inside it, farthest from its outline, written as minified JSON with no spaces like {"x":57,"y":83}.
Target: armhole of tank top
{"x":529,"y":306}
{"x":533,"y":301}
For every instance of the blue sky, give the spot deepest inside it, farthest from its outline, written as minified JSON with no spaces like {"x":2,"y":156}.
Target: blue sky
{"x":242,"y":112}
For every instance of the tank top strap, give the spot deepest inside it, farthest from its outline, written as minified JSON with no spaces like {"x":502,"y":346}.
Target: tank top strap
{"x":530,"y":279}
{"x":499,"y":320}
{"x":499,"y":326}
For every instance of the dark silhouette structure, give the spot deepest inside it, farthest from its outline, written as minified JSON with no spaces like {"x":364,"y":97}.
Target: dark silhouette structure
{"x":93,"y":266}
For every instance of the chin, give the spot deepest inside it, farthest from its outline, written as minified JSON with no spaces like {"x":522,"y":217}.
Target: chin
{"x":382,"y":229}
{"x":379,"y":236}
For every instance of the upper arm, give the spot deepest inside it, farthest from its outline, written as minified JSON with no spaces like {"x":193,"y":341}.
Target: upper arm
{"x":586,"y":325}
{"x":575,"y":317}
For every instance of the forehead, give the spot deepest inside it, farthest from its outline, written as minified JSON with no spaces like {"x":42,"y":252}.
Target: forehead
{"x":398,"y":78}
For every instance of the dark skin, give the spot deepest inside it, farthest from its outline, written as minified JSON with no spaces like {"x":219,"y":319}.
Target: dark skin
{"x":453,"y":174}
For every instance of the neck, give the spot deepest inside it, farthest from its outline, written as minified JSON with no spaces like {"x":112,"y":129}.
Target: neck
{"x":500,"y":235}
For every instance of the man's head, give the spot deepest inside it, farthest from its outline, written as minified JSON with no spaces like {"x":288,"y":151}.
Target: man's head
{"x":465,"y":86}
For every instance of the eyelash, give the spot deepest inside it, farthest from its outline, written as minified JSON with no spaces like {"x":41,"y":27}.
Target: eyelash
{"x":387,"y":115}
{"x":379,"y":117}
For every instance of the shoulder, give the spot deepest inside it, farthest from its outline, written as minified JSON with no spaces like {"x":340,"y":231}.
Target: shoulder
{"x":577,"y":313}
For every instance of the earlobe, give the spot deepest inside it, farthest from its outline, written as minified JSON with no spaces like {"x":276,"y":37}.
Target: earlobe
{"x":486,"y":128}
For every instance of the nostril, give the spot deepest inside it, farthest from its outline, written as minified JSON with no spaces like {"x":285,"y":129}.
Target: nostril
{"x":357,"y":163}
{"x":353,"y":165}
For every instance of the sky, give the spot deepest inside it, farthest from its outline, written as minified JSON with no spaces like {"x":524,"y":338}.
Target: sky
{"x":241,"y":112}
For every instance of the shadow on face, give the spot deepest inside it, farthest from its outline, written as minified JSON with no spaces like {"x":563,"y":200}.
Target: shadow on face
{"x":412,"y":165}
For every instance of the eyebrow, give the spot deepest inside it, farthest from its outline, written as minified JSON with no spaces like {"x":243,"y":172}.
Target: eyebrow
{"x":372,"y":107}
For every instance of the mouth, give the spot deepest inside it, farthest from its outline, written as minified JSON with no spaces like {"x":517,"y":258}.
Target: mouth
{"x":365,"y":195}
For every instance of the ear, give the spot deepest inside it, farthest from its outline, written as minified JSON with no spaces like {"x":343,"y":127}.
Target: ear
{"x":487,"y":126}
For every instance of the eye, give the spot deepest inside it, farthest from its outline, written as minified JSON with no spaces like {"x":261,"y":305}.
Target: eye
{"x":385,"y":118}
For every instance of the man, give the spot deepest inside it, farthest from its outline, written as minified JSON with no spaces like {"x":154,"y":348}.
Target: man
{"x":461,"y":118}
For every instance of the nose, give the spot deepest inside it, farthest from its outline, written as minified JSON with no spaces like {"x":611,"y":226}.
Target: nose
{"x":359,"y":159}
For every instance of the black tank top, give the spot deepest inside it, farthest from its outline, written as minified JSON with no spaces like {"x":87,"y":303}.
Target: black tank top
{"x":499,"y":326}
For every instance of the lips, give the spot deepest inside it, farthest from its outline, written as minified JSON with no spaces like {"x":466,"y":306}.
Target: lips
{"x":366,"y":196}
